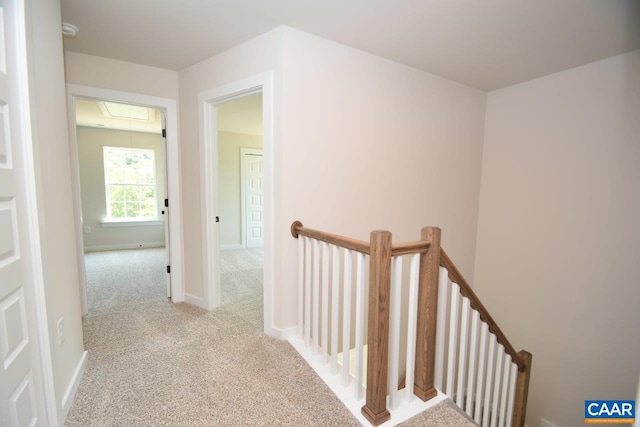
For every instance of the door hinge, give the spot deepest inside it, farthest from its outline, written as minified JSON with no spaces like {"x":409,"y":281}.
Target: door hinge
{"x":166,"y":203}
{"x":164,"y":133}
{"x":217,"y":219}
{"x":168,"y":269}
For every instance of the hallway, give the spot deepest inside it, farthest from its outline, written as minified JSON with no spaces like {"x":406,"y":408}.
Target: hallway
{"x":156,"y":363}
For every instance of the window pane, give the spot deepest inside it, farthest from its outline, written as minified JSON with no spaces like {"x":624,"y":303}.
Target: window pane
{"x":133,"y":209}
{"x":116,"y":193}
{"x":117,"y":210}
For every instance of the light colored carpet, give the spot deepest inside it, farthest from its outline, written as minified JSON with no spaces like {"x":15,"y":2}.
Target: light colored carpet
{"x":153,"y":363}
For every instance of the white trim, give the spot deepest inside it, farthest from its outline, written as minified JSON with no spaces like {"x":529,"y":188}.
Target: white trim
{"x":198,"y":302}
{"x":152,"y":223}
{"x":345,"y":394}
{"x":123,"y":247}
{"x":283,"y":334}
{"x":173,"y":176}
{"x":209,"y":192}
{"x":23,"y":52}
{"x":72,"y":388}
{"x":243,"y":189}
{"x":231,"y":247}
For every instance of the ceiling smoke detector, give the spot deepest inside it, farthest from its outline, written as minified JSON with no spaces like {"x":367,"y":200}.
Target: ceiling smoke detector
{"x":69,"y":30}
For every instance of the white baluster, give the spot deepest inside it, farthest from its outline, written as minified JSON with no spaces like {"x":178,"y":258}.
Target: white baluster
{"x":462,"y":361}
{"x":325,"y":303}
{"x":307,"y":292}
{"x":482,"y":353}
{"x":441,"y":324}
{"x":488,"y":380}
{"x":301,"y":268}
{"x":335,"y":306}
{"x":394,"y":331}
{"x":471,"y":376}
{"x":496,"y":387}
{"x":346,"y":319}
{"x":360,"y":312}
{"x":512,"y":391}
{"x":453,"y":338}
{"x":414,"y":273}
{"x":316,"y":296}
{"x":504,"y":387}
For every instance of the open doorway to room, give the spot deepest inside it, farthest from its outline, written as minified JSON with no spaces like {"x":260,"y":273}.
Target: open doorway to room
{"x":240,"y":198}
{"x":122,"y":176}
{"x":210,"y":103}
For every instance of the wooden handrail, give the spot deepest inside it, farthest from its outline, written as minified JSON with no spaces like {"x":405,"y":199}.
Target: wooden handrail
{"x":418,"y":247}
{"x":346,"y":242}
{"x":456,"y":277}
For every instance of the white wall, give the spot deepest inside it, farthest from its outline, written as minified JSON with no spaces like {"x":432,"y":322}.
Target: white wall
{"x":94,"y":208}
{"x":360,"y":143}
{"x":95,"y":71}
{"x":229,"y":189}
{"x":256,"y":56}
{"x":558,"y":237}
{"x":371,"y":144}
{"x":55,"y":201}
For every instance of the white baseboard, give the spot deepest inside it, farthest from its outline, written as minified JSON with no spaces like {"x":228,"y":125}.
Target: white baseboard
{"x":230,"y":247}
{"x":197,"y":301}
{"x":70,"y":393}
{"x":123,"y":246}
{"x":283,"y":334}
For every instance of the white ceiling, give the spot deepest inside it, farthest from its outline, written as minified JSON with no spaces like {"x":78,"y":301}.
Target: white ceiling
{"x":89,"y":114}
{"x":486,"y":44}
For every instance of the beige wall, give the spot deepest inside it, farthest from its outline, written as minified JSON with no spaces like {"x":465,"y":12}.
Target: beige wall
{"x":94,"y":209}
{"x":229,"y":190}
{"x":558,"y":235}
{"x":95,"y":71}
{"x":55,"y":201}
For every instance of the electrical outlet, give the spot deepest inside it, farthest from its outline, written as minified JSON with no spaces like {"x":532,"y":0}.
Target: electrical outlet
{"x":87,"y":229}
{"x":60,"y":331}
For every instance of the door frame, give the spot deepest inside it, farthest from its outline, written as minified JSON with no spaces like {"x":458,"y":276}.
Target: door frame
{"x":42,"y":340}
{"x":207,"y":112}
{"x":172,"y":156}
{"x":243,"y":187}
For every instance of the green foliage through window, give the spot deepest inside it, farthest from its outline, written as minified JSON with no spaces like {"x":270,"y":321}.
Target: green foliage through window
{"x":130,"y":183}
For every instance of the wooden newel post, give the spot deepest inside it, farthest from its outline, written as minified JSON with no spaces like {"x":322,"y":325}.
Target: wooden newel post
{"x":375,"y":408}
{"x":522,"y":389}
{"x":427,"y":310}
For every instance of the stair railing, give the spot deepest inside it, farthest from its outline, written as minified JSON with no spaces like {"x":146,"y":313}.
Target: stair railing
{"x":490,"y":380}
{"x":333,"y":303}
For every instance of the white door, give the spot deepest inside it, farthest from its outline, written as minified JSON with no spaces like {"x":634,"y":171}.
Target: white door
{"x":252,"y":197}
{"x":22,"y":401}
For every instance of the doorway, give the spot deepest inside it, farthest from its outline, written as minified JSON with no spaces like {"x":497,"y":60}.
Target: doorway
{"x":209,"y":103}
{"x":122,"y":173}
{"x":239,"y":125}
{"x":145,"y":214}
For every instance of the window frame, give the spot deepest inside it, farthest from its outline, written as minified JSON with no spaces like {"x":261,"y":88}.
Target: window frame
{"x":109,"y":219}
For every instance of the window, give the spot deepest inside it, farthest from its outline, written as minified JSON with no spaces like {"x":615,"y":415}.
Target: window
{"x":130,"y":183}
